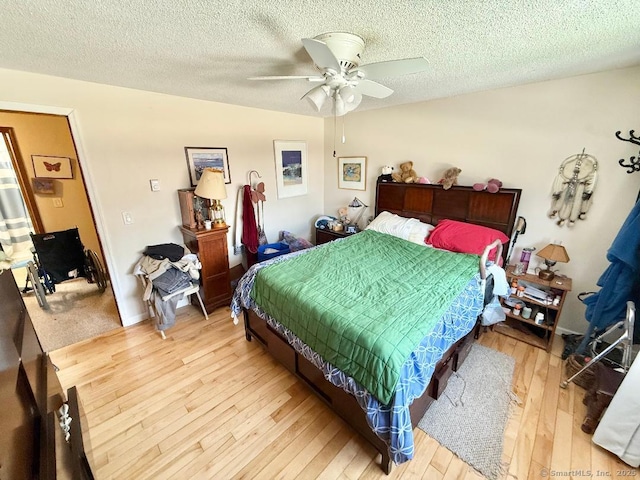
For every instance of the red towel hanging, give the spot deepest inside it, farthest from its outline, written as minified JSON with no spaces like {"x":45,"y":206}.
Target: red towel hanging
{"x":249,"y":227}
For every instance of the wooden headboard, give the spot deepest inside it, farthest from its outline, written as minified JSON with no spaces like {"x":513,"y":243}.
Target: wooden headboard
{"x":431,"y":203}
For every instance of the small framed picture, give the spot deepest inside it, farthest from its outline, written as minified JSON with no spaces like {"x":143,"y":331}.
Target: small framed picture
{"x":45,"y":166}
{"x":291,"y":168}
{"x":352,"y":173}
{"x":43,"y":186}
{"x":199,"y":158}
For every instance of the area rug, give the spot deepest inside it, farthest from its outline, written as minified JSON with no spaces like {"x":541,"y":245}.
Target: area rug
{"x":77,"y":311}
{"x":470,"y":416}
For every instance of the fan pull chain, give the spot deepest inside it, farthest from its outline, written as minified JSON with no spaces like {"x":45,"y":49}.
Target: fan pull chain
{"x":344,"y":139}
{"x":334,"y":134}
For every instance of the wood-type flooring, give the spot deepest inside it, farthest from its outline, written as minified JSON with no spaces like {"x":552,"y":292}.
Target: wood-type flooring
{"x":207,"y":404}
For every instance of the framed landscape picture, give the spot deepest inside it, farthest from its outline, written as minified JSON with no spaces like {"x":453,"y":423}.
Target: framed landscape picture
{"x":291,"y":168}
{"x":352,"y":173}
{"x":199,"y":158}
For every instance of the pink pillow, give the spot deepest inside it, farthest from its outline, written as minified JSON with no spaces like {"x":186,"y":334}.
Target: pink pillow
{"x":464,"y":237}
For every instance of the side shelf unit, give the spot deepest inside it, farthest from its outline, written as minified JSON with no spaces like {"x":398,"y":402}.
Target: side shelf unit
{"x":526,"y":329}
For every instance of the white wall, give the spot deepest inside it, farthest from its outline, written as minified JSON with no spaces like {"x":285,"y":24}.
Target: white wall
{"x":128,"y":137}
{"x":519,"y":135}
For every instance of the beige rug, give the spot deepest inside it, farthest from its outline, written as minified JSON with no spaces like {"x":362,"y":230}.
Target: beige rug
{"x":470,"y":416}
{"x":77,"y":312}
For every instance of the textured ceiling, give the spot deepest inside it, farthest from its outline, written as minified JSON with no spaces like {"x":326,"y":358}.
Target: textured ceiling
{"x":206,"y":49}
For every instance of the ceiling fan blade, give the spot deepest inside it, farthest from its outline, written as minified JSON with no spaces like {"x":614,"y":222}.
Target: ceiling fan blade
{"x":372,"y":89}
{"x":311,"y":78}
{"x":321,"y":55}
{"x":394,"y":67}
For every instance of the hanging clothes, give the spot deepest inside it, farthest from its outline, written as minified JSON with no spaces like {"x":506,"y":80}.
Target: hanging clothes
{"x":249,"y":227}
{"x":258,"y":198}
{"x":619,"y":283}
{"x":262,"y":236}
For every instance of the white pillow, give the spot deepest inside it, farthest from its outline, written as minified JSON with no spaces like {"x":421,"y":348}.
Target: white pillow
{"x":419,"y":233}
{"x":410,"y":229}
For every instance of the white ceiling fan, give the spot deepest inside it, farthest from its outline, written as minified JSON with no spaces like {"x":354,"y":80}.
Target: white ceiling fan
{"x":337,"y":55}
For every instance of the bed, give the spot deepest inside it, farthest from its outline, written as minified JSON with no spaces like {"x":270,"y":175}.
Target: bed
{"x":385,"y":411}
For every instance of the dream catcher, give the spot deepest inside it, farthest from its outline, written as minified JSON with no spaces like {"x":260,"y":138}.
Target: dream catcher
{"x":573,"y":189}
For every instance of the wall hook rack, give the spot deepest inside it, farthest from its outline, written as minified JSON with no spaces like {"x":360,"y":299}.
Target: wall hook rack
{"x":634,"y":162}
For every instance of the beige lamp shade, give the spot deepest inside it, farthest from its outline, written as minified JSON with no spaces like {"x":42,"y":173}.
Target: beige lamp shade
{"x":211,"y":185}
{"x":554,"y":253}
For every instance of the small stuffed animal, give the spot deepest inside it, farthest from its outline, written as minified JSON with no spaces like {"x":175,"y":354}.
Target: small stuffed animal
{"x":450,"y":177}
{"x":423,"y":180}
{"x":387,"y":174}
{"x":492,"y":186}
{"x":407,"y":173}
{"x":342,"y":215}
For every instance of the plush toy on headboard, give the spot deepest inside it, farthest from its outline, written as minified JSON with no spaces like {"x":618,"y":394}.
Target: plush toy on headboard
{"x":407,"y":173}
{"x":450,"y":177}
{"x":386,"y":175}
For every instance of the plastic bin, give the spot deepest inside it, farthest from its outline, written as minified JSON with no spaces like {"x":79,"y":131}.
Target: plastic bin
{"x":281,"y":248}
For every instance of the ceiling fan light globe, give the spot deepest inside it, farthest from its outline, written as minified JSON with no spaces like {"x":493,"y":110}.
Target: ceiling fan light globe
{"x":351,"y":106}
{"x":348,"y":94}
{"x":317,"y":96}
{"x":339,"y":107}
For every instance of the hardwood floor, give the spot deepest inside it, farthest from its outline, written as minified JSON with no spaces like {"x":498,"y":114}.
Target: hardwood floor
{"x":207,"y":404}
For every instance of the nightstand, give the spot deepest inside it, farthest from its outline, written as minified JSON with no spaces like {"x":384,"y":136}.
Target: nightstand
{"x":526,"y":329}
{"x":324,"y":235}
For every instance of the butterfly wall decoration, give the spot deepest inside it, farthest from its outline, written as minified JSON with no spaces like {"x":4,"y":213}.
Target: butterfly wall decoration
{"x":47,"y":166}
{"x":52,"y":167}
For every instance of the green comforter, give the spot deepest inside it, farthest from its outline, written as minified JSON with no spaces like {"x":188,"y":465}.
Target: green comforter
{"x":364,"y":303}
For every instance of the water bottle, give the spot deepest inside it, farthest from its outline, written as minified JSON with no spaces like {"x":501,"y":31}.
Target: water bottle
{"x":525,"y":257}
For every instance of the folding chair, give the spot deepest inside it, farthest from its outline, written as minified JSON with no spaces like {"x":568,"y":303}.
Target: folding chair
{"x":184,"y":293}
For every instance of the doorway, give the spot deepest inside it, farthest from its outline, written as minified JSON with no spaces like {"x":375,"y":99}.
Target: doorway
{"x":55,"y":204}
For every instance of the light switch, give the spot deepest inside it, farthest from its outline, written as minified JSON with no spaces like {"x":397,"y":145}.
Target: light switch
{"x":57,"y":202}
{"x":127,"y":218}
{"x":155,"y":185}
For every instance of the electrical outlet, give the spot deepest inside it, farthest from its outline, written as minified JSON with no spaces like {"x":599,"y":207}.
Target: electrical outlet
{"x":155,"y":185}
{"x":127,"y":218}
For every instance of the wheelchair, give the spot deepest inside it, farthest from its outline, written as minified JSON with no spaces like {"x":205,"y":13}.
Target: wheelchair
{"x":61,"y":256}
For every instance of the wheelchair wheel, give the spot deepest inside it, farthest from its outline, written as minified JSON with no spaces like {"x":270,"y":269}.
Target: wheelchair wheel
{"x":38,"y":289}
{"x":95,"y":272}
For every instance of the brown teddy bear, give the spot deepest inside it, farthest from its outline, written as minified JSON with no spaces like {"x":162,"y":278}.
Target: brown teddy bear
{"x":406,"y":175}
{"x":450,"y":177}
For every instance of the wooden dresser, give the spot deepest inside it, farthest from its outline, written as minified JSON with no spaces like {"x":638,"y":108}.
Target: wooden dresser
{"x":211,"y":248}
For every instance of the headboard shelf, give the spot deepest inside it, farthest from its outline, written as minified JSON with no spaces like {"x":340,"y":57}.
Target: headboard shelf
{"x":431,"y":203}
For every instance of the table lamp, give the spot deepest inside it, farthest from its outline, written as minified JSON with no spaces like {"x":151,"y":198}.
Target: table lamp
{"x":355,"y":210}
{"x":211,"y":186}
{"x":552,"y":253}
